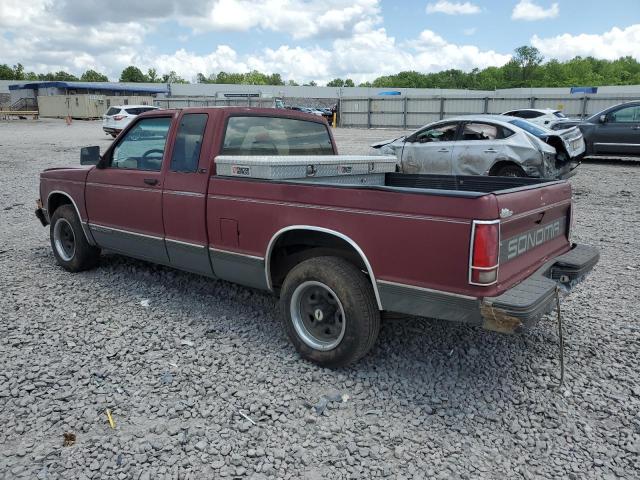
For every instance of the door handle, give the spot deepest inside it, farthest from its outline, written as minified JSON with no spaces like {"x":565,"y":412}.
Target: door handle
{"x":637,"y":127}
{"x":151,"y":181}
{"x":443,"y":150}
{"x":490,"y":150}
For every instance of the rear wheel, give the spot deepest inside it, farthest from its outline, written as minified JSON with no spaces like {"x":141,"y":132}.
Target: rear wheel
{"x":70,"y":246}
{"x":510,"y":171}
{"x":329,"y":311}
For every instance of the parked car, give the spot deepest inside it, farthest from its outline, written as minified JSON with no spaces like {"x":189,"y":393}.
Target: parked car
{"x":539,"y":116}
{"x":485,"y":251}
{"x":494,"y":145}
{"x":119,"y":116}
{"x":613,"y":131}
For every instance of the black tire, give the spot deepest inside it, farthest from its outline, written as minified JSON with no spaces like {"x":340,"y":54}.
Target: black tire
{"x":69,"y":245}
{"x":510,"y":171}
{"x":355,"y":299}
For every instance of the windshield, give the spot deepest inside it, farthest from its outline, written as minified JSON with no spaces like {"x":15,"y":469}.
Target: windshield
{"x":529,"y":127}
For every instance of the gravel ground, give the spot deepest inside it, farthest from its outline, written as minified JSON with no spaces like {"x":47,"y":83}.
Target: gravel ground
{"x":202,"y":383}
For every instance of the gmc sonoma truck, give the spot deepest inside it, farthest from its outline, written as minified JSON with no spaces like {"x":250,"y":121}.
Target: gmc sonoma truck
{"x":487,"y":251}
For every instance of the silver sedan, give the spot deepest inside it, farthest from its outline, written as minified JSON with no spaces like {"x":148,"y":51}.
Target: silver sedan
{"x":487,"y":145}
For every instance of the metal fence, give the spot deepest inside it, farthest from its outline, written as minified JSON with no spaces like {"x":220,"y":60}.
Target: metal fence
{"x":213,"y":102}
{"x":413,"y":112}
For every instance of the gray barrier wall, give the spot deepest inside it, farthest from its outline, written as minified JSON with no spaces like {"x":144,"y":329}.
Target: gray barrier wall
{"x":413,"y":112}
{"x":213,"y":102}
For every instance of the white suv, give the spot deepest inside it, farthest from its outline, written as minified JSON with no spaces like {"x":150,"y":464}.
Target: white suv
{"x":539,"y":116}
{"x":118,"y":117}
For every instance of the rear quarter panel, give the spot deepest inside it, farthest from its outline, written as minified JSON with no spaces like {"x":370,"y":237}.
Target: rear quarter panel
{"x":420,"y":240}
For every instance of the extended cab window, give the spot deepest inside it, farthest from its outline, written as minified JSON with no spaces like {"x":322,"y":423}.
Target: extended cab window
{"x":275,"y":136}
{"x":186,"y":148}
{"x":142,"y":148}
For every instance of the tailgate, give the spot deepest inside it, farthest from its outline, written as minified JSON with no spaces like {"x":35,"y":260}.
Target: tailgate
{"x":534,"y":227}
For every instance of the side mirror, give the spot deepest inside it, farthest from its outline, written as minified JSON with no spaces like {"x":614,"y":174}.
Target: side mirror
{"x":89,"y":155}
{"x":603,"y":119}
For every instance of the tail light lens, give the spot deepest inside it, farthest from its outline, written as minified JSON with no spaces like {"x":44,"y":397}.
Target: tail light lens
{"x":117,"y":118}
{"x":485,"y":250}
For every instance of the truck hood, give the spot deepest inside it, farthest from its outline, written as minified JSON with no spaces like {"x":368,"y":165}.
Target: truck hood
{"x":78,"y":174}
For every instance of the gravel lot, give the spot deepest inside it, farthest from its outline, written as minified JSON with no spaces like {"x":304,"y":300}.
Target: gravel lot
{"x":202,"y":383}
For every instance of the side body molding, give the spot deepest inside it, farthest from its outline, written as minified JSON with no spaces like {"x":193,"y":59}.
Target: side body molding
{"x":356,"y":247}
{"x":85,"y":226}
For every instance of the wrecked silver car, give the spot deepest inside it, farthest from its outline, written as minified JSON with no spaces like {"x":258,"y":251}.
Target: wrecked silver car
{"x":495,"y":145}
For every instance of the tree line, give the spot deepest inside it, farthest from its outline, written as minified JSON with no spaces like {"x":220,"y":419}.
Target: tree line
{"x":525,"y":69}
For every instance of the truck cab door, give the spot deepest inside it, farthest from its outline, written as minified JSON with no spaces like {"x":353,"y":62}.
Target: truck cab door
{"x":184,"y":194}
{"x":124,"y":196}
{"x":429,"y":150}
{"x":478,"y":147}
{"x":620,"y":133}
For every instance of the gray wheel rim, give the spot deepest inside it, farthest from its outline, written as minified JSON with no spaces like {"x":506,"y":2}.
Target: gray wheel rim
{"x":317,"y":315}
{"x":64,"y":239}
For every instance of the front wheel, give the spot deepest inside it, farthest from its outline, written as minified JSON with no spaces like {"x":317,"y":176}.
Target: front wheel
{"x":70,"y":246}
{"x":329,"y":311}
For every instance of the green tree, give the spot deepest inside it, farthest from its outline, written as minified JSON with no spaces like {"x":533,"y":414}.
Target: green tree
{"x":173,"y":77}
{"x":349,"y":83}
{"x":6,"y":72}
{"x":93,"y":76}
{"x":336,"y":82}
{"x":133,"y":74}
{"x":528,"y":59}
{"x":152,"y":75}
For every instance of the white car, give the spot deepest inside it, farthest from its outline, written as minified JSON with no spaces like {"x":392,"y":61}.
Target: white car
{"x":539,"y":116}
{"x":119,"y":116}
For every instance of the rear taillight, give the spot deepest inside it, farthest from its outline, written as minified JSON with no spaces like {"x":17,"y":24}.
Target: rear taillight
{"x":485,"y":251}
{"x":117,"y":118}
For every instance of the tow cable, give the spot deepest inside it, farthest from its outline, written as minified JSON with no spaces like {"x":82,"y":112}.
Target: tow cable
{"x":560,"y":338}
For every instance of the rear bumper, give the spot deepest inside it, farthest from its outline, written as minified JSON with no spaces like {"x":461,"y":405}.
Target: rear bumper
{"x":523,"y":305}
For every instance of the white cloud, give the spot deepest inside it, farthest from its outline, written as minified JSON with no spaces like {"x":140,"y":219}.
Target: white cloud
{"x":453,"y":8}
{"x":298,"y":18}
{"x":609,"y":45}
{"x":349,"y":40}
{"x":470,"y":31}
{"x":528,"y":10}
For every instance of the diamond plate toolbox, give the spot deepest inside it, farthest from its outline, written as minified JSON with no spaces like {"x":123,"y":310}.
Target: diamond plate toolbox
{"x":305,"y":166}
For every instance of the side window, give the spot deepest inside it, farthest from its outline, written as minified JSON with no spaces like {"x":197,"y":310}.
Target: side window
{"x":625,"y":115}
{"x":186,"y":148}
{"x":504,"y":132}
{"x":479,"y":131}
{"x":142,"y":148}
{"x":275,"y":136}
{"x":440,"y":133}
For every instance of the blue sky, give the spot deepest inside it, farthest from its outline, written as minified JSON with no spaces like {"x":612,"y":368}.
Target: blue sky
{"x":308,"y":39}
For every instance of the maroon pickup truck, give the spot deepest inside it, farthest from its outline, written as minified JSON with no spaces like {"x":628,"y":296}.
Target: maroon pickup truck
{"x":488,"y":251}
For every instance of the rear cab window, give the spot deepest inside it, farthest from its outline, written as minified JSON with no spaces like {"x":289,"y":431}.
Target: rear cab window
{"x":258,"y":135}
{"x":113,"y":111}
